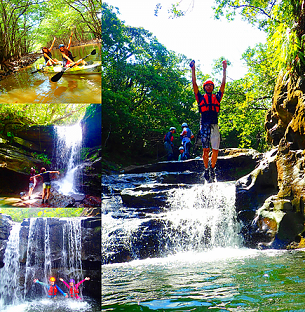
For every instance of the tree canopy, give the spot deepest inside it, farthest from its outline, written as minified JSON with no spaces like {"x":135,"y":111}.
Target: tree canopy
{"x":147,"y":90}
{"x":18,"y":214}
{"x":25,"y":25}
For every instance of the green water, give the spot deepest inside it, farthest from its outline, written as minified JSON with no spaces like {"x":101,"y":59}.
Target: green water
{"x":216,"y":280}
{"x":25,"y":86}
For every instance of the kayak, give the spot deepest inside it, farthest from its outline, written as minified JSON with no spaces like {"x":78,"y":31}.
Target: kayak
{"x":79,"y":69}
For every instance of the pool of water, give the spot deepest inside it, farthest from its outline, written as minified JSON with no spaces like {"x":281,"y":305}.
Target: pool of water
{"x":54,"y":305}
{"x":220,"y":279}
{"x":27,"y":87}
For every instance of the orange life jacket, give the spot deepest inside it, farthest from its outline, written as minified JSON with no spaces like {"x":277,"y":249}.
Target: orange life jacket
{"x":52,"y":290}
{"x":205,"y":106}
{"x":73,"y":291}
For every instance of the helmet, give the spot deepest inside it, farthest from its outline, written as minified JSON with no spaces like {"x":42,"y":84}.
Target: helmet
{"x":52,"y":279}
{"x":172,"y":128}
{"x":208,"y":82}
{"x":60,"y":46}
{"x":181,"y":148}
{"x":72,"y":281}
{"x":184,"y":125}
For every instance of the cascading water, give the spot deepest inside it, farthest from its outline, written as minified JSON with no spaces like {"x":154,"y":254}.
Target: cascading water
{"x":67,"y":154}
{"x":53,"y":248}
{"x":9,"y":288}
{"x":198,"y":218}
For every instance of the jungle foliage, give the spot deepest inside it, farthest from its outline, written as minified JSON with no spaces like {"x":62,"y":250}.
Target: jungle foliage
{"x":25,"y":25}
{"x":147,"y":89}
{"x":18,"y":214}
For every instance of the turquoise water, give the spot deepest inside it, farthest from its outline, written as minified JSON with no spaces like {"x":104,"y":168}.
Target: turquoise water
{"x":221,"y":279}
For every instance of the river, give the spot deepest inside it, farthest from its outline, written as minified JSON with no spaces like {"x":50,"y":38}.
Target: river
{"x":189,"y":255}
{"x":27,"y":87}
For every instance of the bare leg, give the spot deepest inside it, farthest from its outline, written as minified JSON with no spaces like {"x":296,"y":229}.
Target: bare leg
{"x":214,"y":157}
{"x":205,"y":157}
{"x":48,"y":193}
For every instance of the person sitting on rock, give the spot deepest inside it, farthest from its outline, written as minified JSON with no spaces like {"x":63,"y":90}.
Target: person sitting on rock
{"x":46,"y":180}
{"x":73,"y":288}
{"x":52,"y":288}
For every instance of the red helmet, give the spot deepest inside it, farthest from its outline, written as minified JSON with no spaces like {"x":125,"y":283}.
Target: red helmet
{"x":52,"y":279}
{"x":208,"y":82}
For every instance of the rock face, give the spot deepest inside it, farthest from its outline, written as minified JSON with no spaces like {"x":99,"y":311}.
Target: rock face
{"x":281,"y":216}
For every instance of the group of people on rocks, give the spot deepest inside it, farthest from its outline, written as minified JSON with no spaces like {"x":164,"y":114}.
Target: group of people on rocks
{"x":67,"y":57}
{"x":53,"y":288}
{"x":209,"y":106}
{"x":46,"y":182}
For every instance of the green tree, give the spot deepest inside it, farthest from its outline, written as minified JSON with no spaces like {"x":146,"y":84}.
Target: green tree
{"x":18,"y":214}
{"x":145,"y":90}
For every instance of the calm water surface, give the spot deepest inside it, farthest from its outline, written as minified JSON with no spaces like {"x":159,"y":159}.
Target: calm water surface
{"x":224,"y":279}
{"x":25,"y":87}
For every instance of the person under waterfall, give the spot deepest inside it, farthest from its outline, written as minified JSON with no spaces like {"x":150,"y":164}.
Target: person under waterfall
{"x":46,"y":180}
{"x":209,"y":105}
{"x":73,"y":288}
{"x":52,"y":288}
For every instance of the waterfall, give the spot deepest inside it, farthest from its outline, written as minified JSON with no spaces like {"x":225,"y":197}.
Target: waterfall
{"x":67,"y":154}
{"x":9,"y":285}
{"x":49,"y":247}
{"x":71,"y":252}
{"x":195,"y":219}
{"x":203,"y":217}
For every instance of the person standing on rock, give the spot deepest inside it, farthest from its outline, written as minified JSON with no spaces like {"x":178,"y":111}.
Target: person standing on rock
{"x":209,"y":105}
{"x":186,"y":136}
{"x":32,"y":182}
{"x":168,"y":143}
{"x":46,"y":180}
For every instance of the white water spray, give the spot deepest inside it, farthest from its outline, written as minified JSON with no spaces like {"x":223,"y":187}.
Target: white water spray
{"x":67,"y":147}
{"x":9,"y":286}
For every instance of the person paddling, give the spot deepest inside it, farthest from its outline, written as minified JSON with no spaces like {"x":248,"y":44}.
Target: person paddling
{"x":209,"y":105}
{"x":67,"y":57}
{"x":73,"y":288}
{"x":52,"y":288}
{"x":48,"y":55}
{"x":46,"y":180}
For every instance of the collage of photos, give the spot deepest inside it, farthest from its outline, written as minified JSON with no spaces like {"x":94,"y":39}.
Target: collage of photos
{"x":50,"y":156}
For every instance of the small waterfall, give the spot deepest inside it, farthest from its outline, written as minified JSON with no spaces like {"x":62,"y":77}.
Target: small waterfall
{"x":9,"y":285}
{"x":203,"y":217}
{"x":67,"y":154}
{"x":195,"y":219}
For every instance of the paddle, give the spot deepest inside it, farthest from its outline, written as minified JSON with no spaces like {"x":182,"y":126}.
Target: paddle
{"x":56,"y":77}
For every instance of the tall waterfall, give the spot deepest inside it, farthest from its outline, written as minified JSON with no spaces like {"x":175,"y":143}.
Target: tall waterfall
{"x":53,"y":248}
{"x":9,"y":285}
{"x":67,"y":154}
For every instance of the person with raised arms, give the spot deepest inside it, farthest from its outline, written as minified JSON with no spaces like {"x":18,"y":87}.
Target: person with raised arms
{"x":209,"y":106}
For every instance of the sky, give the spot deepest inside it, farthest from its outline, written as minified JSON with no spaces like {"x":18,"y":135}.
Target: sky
{"x":197,"y":35}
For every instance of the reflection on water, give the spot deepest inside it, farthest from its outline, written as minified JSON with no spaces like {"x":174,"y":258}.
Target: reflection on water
{"x":223,"y":279}
{"x":25,"y":87}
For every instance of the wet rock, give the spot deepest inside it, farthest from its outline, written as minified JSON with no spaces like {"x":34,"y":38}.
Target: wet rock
{"x":60,"y":200}
{"x":5,"y":228}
